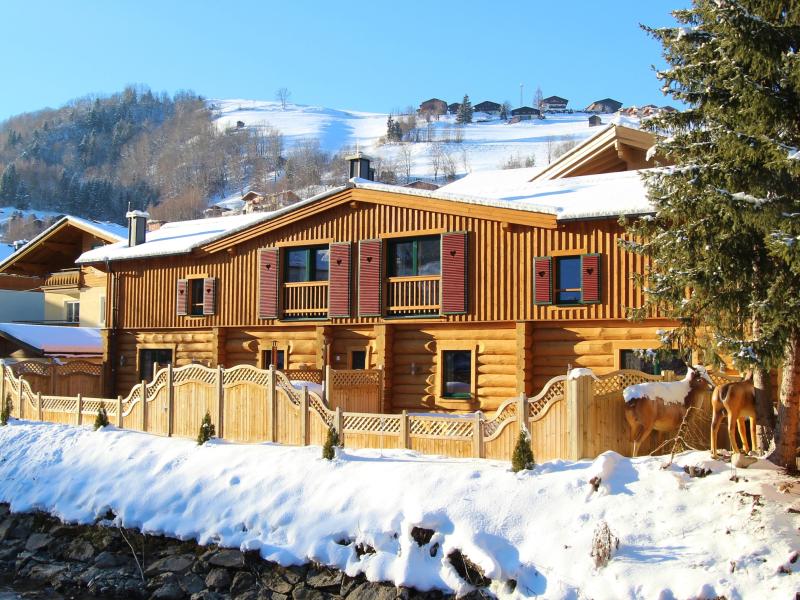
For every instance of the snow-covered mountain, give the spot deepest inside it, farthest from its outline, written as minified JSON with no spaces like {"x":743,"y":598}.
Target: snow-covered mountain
{"x":487,"y":143}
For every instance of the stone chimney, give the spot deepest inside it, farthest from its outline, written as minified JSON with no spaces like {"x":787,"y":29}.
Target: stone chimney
{"x":359,"y":166}
{"x":137,"y":227}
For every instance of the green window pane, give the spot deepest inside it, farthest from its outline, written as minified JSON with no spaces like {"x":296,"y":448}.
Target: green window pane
{"x":401,"y":259}
{"x":297,"y":265}
{"x":321,"y":264}
{"x":428,"y":252}
{"x":456,"y":373}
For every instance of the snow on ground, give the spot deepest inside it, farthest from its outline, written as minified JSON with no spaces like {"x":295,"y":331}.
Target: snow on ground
{"x":679,"y":537}
{"x":485,"y":145}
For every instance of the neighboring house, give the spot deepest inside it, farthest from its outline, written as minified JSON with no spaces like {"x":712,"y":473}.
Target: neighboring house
{"x":453,"y":108}
{"x":595,"y":121}
{"x":526,"y":113}
{"x":488,"y":107}
{"x":434,"y":107}
{"x":419,"y":184}
{"x":554,"y":104}
{"x":49,"y":341}
{"x":70,"y":295}
{"x":605,"y":106}
{"x":465,"y":296}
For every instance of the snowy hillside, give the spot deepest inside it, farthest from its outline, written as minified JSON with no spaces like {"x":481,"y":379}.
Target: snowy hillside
{"x":531,"y":533}
{"x":485,"y":145}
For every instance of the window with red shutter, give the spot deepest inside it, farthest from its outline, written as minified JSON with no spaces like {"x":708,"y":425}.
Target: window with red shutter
{"x":268,"y":277}
{"x":339,"y":280}
{"x":454,"y":273}
{"x":209,"y":295}
{"x":542,"y":280}
{"x":370,"y":277}
{"x":590,"y":278}
{"x":182,"y":297}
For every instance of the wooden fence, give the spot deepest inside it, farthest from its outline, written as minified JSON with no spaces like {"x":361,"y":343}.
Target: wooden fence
{"x":572,"y":417}
{"x":61,"y":378}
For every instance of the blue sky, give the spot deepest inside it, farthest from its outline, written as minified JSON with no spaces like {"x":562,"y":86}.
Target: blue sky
{"x":368,"y":55}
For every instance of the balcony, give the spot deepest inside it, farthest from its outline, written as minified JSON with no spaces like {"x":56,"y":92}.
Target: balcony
{"x":305,"y":300}
{"x":412,"y":296}
{"x":68,"y":278}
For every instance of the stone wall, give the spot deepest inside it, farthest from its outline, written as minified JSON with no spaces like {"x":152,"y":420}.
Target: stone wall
{"x":40,"y":552}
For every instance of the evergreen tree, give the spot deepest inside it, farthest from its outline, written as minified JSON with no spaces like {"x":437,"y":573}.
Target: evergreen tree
{"x":522,"y":458}
{"x":5,"y":411}
{"x":207,"y":430}
{"x":390,"y":129}
{"x":725,"y":226}
{"x":9,"y":185}
{"x":101,"y":420}
{"x":464,"y":114}
{"x":331,"y":443}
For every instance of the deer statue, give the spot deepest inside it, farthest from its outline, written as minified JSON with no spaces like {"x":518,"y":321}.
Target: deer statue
{"x":661,"y":405}
{"x":738,"y":400}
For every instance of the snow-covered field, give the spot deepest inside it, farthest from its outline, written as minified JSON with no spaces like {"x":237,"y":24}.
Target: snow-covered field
{"x":679,"y":537}
{"x":485,"y":145}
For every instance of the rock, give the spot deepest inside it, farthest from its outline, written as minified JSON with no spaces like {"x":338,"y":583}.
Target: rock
{"x":242,"y":582}
{"x":4,"y":511}
{"x":191,"y":583}
{"x":37,"y":541}
{"x":10,"y":550}
{"x":248,"y":595}
{"x":171,"y":564}
{"x":80,"y":550}
{"x":7,"y":528}
{"x":45,"y":572}
{"x":742,"y":461}
{"x":275,"y":580}
{"x":374,"y":591}
{"x":107,"y":560}
{"x":421,"y":535}
{"x":206,"y":595}
{"x":230,"y":559}
{"x":218,"y":579}
{"x":350,"y":583}
{"x":324,"y":579}
{"x":303,"y":592}
{"x":161,"y":580}
{"x":170,"y":591}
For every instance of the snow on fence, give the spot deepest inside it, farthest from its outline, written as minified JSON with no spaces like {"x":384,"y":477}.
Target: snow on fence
{"x":578,"y":416}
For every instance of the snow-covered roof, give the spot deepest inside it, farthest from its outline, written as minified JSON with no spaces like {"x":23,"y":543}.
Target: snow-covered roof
{"x":54,"y":339}
{"x":179,"y":237}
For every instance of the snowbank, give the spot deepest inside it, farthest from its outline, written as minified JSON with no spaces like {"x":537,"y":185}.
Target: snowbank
{"x":679,"y":537}
{"x":671,"y":392}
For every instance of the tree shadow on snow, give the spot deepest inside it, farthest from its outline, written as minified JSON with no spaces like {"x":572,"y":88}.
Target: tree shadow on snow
{"x":529,"y":579}
{"x":649,"y":554}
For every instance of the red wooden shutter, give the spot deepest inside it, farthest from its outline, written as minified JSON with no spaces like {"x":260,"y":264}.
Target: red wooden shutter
{"x":369,"y":277}
{"x":542,"y":280}
{"x":209,"y":295}
{"x":454,"y":273}
{"x":182,"y":297}
{"x":339,"y":280}
{"x":268,"y":277}
{"x":590,"y":278}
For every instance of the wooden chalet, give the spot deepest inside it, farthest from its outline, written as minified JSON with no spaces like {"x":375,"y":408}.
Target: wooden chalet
{"x":462,"y":302}
{"x":72,"y":295}
{"x":488,"y":107}
{"x":453,"y":108}
{"x":595,"y":121}
{"x":526,"y":113}
{"x":554,"y":104}
{"x":604,"y":106}
{"x":434,"y":107}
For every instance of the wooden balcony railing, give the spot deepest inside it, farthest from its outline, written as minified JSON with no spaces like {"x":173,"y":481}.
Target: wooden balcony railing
{"x":65,"y":278}
{"x":412,"y":295}
{"x":306,"y":299}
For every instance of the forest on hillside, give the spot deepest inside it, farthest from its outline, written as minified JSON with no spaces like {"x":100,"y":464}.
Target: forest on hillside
{"x":97,"y":155}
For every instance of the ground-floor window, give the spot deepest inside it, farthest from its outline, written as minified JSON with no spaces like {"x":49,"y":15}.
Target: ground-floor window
{"x":654,"y":362}
{"x":73,"y":308}
{"x":280,"y":359}
{"x":148,"y":356}
{"x":456,"y":373}
{"x":358,"y":359}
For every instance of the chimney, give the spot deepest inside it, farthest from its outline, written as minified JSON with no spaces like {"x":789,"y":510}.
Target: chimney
{"x":137,"y":227}
{"x":359,"y":166}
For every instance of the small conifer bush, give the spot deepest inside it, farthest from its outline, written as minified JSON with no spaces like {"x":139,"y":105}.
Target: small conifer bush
{"x":523,"y":455}
{"x":5,"y":412}
{"x":207,"y":430}
{"x":329,"y":449}
{"x":101,"y":420}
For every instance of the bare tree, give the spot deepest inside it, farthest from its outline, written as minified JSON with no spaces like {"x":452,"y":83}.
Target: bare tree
{"x":407,"y":160}
{"x":436,"y":158}
{"x":282,"y":95}
{"x":537,"y":98}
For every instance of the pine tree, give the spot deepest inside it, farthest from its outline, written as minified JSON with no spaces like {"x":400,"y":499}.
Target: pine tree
{"x":522,"y":458}
{"x":464,"y":114}
{"x":331,"y":443}
{"x":390,"y":129}
{"x":725,"y":225}
{"x":5,"y":411}
{"x":207,"y":430}
{"x":101,"y":420}
{"x":9,"y":185}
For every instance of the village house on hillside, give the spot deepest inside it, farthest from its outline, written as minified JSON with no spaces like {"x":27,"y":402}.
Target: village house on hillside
{"x":554,"y":104}
{"x":433,"y":107}
{"x":526,"y":113}
{"x":605,"y":106}
{"x":488,"y":107}
{"x":453,"y":108}
{"x":463,"y":296}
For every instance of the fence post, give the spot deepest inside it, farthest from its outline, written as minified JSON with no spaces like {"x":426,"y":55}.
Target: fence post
{"x":40,"y":407}
{"x":477,"y":436}
{"x":272,"y":404}
{"x":304,"y":415}
{"x":579,"y":396}
{"x":119,"y":412}
{"x":326,"y":388}
{"x":668,"y":375}
{"x":170,"y":401}
{"x":19,"y":397}
{"x":3,"y":382}
{"x":53,"y":371}
{"x":143,"y":394}
{"x":405,"y":441}
{"x":523,"y":413}
{"x":380,"y":389}
{"x":220,"y":403}
{"x":337,"y":424}
{"x":80,"y":408}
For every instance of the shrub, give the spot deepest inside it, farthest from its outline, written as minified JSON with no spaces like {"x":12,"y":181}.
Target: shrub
{"x":603,"y":544}
{"x":5,"y":412}
{"x":523,"y":455}
{"x":329,"y":449}
{"x":101,"y":420}
{"x":207,"y":430}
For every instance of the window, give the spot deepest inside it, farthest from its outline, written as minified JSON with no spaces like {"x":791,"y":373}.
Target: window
{"x":654,"y":361}
{"x":416,"y":256}
{"x":73,"y":309}
{"x":456,"y":374}
{"x":358,"y":359}
{"x":280,"y":360}
{"x":307,"y":264}
{"x":148,"y":356}
{"x":568,"y":280}
{"x":196,"y":297}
